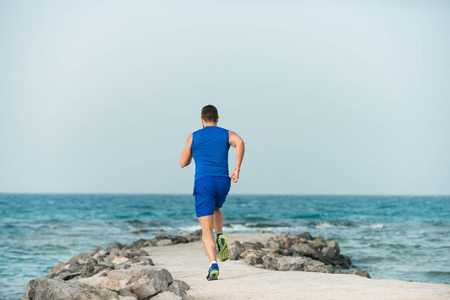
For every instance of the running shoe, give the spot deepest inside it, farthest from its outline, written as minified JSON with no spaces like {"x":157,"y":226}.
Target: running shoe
{"x":224,"y":252}
{"x":213,"y":272}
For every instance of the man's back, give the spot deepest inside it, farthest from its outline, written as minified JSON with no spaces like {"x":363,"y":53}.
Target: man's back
{"x":210,"y":147}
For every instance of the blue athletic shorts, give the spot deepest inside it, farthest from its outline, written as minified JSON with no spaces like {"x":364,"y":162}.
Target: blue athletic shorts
{"x":210,"y":193}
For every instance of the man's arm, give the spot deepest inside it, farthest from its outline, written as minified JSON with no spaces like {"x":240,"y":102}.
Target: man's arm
{"x":186,"y":155}
{"x":236,"y":141}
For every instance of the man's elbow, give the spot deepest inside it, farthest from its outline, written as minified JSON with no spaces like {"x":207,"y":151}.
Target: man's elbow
{"x":184,"y":163}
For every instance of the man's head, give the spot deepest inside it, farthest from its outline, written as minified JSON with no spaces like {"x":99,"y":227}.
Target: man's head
{"x":210,"y":114}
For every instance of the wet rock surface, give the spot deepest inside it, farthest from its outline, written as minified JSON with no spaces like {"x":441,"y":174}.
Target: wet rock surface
{"x":119,"y":271}
{"x":295,"y":252}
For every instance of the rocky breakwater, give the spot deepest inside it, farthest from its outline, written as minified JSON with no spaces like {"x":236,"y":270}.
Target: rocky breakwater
{"x":120,"y":271}
{"x":295,"y":252}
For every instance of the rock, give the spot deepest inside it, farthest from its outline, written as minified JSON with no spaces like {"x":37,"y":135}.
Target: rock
{"x":94,"y":252}
{"x":57,"y":268}
{"x":142,"y":243}
{"x":46,"y":289}
{"x":252,"y":259}
{"x":111,"y":284}
{"x":177,"y":239}
{"x":183,"y":285}
{"x":303,"y":249}
{"x":143,"y":252}
{"x":94,"y":282}
{"x":179,"y":288}
{"x":244,"y":254}
{"x":73,"y":267}
{"x":272,"y":243}
{"x":188,"y":236}
{"x":115,"y":245}
{"x":70,"y":276}
{"x":287,"y":252}
{"x":198,"y":232}
{"x":234,"y":255}
{"x":160,"y":237}
{"x":116,"y":253}
{"x":290,"y":239}
{"x":332,"y":270}
{"x":314,"y":266}
{"x":342,"y":261}
{"x":143,"y":281}
{"x":30,"y":290}
{"x":167,"y":296}
{"x":249,"y":246}
{"x":319,"y":256}
{"x":106,"y":264}
{"x":361,"y":273}
{"x":283,"y":235}
{"x":306,"y":235}
{"x":320,"y":239}
{"x":270,"y":263}
{"x":289,"y":263}
{"x":127,"y":298}
{"x":83,"y":259}
{"x":99,"y":258}
{"x":259,"y":245}
{"x":236,"y":249}
{"x":117,"y":260}
{"x":164,"y":242}
{"x":335,"y":246}
{"x":87,"y":270}
{"x":328,"y":252}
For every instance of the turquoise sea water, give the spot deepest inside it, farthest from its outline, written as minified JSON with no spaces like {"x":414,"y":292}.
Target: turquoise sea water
{"x":391,"y":237}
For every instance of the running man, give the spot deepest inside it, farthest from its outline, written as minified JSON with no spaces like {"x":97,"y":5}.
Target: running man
{"x":209,"y":146}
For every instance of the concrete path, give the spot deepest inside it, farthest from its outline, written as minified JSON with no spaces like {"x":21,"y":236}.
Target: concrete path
{"x":237,"y":280}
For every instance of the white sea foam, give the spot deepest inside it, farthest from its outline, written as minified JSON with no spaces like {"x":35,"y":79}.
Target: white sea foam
{"x":374,"y":226}
{"x":331,"y":225}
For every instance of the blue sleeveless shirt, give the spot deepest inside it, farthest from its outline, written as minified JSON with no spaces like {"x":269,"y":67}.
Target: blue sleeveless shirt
{"x":210,"y":147}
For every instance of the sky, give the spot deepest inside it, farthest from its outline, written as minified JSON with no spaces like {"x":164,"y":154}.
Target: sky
{"x":330,"y":97}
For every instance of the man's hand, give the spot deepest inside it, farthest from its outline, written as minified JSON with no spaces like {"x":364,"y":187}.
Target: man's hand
{"x":235,"y":175}
{"x":236,"y":141}
{"x":186,"y":155}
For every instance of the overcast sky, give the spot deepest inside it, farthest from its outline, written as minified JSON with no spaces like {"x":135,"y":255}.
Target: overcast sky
{"x":331,"y":97}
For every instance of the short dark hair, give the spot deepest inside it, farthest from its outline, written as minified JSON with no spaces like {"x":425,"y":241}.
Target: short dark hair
{"x":209,"y":113}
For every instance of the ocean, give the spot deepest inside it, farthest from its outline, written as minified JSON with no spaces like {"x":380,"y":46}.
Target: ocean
{"x":391,"y":237}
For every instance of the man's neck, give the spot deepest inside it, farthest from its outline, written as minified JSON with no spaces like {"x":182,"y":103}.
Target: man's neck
{"x":209,"y":124}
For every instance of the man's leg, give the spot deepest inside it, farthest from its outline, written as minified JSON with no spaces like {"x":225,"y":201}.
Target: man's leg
{"x":207,"y":236}
{"x":221,"y":241}
{"x":218,"y":220}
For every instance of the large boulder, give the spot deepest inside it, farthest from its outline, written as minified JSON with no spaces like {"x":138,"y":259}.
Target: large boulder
{"x":291,"y":263}
{"x":303,"y":249}
{"x":49,"y":289}
{"x":179,"y":288}
{"x":236,"y":249}
{"x":143,"y":281}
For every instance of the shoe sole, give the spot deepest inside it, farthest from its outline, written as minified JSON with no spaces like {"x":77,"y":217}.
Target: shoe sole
{"x":213,"y":275}
{"x":224,"y":252}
